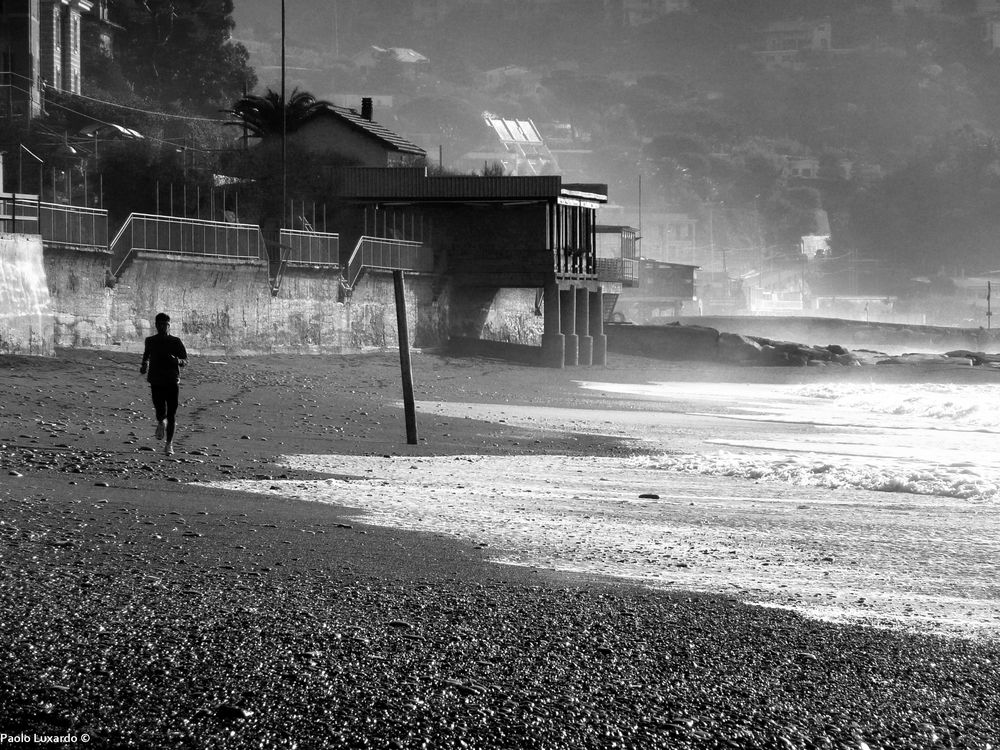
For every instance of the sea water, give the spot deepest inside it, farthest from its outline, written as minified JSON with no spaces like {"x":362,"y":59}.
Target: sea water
{"x":851,"y":503}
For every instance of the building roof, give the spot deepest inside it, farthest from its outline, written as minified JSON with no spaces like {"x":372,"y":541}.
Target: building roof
{"x":373,"y":130}
{"x":403,"y":55}
{"x":664,"y":264}
{"x":781,"y":27}
{"x":375,"y":183}
{"x":510,"y":130}
{"x":614,"y":228}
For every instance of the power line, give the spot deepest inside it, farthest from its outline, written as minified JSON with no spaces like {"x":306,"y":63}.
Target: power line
{"x":116,"y":104}
{"x":102,"y":122}
{"x":144,"y":111}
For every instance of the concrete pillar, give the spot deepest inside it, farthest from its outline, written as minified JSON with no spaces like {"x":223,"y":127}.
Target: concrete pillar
{"x":583,"y":326}
{"x":568,"y":308}
{"x":600,"y":345}
{"x":553,"y":342}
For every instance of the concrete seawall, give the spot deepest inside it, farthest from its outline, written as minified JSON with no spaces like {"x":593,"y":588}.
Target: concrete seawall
{"x":26,"y":320}
{"x":64,"y":296}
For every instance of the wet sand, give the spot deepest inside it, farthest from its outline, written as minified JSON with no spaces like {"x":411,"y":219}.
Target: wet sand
{"x":238,"y":620}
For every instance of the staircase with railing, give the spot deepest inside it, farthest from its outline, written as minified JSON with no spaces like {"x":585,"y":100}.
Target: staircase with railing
{"x":218,"y":239}
{"x":383,"y":254}
{"x":304,"y":249}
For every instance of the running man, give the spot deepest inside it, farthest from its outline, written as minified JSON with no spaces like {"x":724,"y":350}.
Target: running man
{"x":162,"y":358}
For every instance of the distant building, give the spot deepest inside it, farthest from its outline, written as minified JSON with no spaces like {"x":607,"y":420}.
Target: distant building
{"x":662,"y":292}
{"x":925,"y":6}
{"x":410,"y":60}
{"x":783,"y":41}
{"x":641,"y":12}
{"x":515,"y":144}
{"x":803,"y":167}
{"x":669,"y":237}
{"x":991,"y":29}
{"x":798,"y":35}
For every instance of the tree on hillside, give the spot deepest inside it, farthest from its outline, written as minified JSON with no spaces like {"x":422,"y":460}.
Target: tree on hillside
{"x":939,"y":209}
{"x":178,"y":51}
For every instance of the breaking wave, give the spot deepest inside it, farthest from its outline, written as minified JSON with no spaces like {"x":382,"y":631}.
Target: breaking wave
{"x":965,"y":482}
{"x":955,"y":406}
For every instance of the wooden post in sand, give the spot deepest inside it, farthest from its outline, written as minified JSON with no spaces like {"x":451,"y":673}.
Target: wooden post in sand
{"x":404,"y":359}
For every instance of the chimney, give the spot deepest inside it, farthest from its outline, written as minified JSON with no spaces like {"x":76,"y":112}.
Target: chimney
{"x":366,"y":108}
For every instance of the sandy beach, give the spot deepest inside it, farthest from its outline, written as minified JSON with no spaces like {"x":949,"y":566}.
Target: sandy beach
{"x":351,"y":600}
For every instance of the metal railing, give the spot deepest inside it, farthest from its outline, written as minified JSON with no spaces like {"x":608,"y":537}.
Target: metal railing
{"x":73,"y":225}
{"x":199,"y":237}
{"x":19,"y":213}
{"x":381,"y":254}
{"x":309,"y":248}
{"x":623,"y":270}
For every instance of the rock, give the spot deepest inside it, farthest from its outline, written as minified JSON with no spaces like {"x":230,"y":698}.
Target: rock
{"x":771,"y":355}
{"x":734,"y":347}
{"x":916,"y":358}
{"x":229,"y":712}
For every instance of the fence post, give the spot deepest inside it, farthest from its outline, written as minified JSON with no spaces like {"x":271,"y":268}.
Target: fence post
{"x":404,"y":358}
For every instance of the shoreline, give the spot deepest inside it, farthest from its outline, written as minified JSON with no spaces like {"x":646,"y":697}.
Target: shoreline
{"x":232,"y":620}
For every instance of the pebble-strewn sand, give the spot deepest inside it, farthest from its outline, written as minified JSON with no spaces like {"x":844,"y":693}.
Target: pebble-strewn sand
{"x":144,"y":608}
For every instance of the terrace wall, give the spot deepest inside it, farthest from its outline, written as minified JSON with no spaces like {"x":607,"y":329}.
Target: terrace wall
{"x":64,"y":297}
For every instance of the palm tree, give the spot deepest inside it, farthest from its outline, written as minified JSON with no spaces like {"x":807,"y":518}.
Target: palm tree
{"x":262,"y":115}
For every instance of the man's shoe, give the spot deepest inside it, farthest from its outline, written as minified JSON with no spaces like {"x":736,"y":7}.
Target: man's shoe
{"x":168,"y":449}
{"x":161,"y":429}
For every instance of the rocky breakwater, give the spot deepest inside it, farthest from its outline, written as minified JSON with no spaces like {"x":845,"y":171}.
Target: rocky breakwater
{"x":702,"y":343}
{"x":757,"y":350}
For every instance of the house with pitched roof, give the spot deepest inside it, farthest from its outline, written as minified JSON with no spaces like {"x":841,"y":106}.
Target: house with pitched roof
{"x":345,"y":133}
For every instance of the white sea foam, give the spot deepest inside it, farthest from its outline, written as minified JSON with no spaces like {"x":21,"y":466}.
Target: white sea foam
{"x":792,"y":525}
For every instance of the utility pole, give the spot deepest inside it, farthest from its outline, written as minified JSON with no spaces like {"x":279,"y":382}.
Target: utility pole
{"x":336,"y":32}
{"x":284,"y":122}
{"x":638,"y":238}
